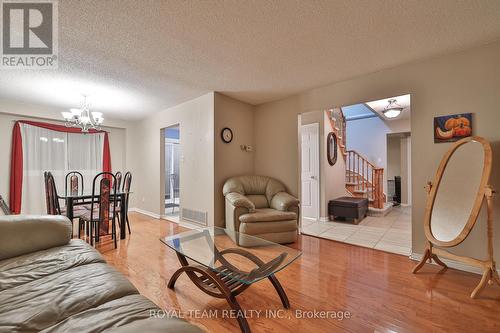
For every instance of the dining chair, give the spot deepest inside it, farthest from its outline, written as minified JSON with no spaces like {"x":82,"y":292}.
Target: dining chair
{"x":172,"y":179}
{"x":52,"y":198}
{"x":118,"y":177}
{"x":127,"y":182}
{"x":74,"y":179}
{"x":123,"y":189}
{"x":103,"y":208}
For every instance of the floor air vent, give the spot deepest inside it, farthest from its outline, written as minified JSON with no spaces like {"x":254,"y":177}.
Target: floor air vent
{"x":195,"y":216}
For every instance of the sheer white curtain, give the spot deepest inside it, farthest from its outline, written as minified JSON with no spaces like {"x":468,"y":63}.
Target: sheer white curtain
{"x":57,"y":152}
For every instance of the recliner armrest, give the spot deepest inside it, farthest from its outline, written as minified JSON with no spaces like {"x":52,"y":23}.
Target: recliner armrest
{"x":283,"y":201}
{"x":239,"y":200}
{"x":21,"y":234}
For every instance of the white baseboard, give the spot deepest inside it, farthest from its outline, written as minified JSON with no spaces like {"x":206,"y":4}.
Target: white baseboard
{"x":190,"y":225}
{"x":182,"y":223}
{"x":145,"y":212}
{"x":452,"y":264}
{"x":321,"y":219}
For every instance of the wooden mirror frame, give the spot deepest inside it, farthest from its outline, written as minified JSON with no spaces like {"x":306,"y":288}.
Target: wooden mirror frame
{"x":485,"y":191}
{"x":483,"y":185}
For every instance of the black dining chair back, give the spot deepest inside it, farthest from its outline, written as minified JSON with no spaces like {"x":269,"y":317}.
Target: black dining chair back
{"x":127,"y":181}
{"x":51,"y":197}
{"x":103,"y":186}
{"x":75,"y":181}
{"x":102,"y":207}
{"x":118,"y":177}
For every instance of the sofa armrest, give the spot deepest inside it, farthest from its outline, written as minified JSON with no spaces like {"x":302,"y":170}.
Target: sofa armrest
{"x":21,"y":234}
{"x":239,"y":200}
{"x":284,"y":201}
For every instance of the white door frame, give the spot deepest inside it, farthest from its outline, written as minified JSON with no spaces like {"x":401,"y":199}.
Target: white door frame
{"x":316,"y":195}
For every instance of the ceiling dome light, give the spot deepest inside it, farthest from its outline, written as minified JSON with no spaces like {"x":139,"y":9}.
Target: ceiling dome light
{"x":392,"y":110}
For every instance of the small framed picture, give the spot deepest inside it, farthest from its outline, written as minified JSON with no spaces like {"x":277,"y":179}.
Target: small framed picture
{"x":452,"y":128}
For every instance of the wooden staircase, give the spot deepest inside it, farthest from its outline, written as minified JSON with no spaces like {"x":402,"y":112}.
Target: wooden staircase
{"x":337,"y":122}
{"x":363,"y":179}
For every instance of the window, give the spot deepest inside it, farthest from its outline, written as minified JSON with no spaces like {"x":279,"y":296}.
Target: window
{"x":58,"y":152}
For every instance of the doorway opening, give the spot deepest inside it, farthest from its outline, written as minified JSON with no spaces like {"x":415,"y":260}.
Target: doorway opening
{"x":172,"y":172}
{"x":365,"y":193}
{"x":399,"y":169}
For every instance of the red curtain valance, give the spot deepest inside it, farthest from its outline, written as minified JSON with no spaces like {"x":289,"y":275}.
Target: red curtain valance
{"x":16,"y":160}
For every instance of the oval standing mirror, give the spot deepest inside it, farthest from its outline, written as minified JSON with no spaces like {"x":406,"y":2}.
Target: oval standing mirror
{"x":458,"y":191}
{"x":455,"y":198}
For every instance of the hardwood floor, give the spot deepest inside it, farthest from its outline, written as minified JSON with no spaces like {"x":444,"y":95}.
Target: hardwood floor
{"x":377,"y":288}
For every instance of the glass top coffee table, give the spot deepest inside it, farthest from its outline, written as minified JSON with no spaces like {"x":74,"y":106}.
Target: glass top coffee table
{"x":222,"y":268}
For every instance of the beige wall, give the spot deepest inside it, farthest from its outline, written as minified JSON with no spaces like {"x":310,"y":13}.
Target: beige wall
{"x":393,"y":156}
{"x":230,"y":159}
{"x":331,"y":178}
{"x":276,"y":153}
{"x":145,"y":157}
{"x":462,"y":82}
{"x":333,"y":175}
{"x":404,"y":158}
{"x":117,"y":144}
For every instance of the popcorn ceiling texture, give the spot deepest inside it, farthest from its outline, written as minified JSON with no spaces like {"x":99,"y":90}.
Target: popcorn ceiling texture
{"x":155,"y":54}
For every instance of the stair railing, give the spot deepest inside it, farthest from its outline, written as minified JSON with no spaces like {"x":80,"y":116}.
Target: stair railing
{"x":365,"y":177}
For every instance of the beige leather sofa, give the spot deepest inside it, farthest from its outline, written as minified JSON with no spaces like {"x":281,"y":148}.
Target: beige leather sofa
{"x":51,"y":283}
{"x":260,"y":206}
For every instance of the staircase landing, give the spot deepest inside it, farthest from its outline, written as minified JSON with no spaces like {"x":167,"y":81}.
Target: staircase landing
{"x":380,"y":211}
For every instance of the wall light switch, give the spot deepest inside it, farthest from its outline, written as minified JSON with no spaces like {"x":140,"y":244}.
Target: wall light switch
{"x":246,"y":148}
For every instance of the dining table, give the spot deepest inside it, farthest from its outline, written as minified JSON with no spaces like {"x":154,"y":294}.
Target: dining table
{"x":76,"y":199}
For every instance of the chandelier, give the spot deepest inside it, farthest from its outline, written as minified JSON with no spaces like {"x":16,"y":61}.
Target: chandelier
{"x":82,"y":117}
{"x":393,"y":109}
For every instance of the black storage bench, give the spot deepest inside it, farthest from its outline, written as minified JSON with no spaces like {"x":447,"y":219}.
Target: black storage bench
{"x":348,"y":208}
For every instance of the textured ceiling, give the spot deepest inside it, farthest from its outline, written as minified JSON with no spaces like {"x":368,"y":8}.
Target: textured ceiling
{"x":135,"y":57}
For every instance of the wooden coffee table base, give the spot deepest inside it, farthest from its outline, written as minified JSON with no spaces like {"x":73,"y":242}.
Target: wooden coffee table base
{"x":226,"y":284}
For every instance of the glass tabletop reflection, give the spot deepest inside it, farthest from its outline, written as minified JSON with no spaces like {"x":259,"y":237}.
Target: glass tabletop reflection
{"x":237,"y":256}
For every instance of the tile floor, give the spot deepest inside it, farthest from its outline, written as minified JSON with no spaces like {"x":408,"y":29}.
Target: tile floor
{"x":391,"y":233}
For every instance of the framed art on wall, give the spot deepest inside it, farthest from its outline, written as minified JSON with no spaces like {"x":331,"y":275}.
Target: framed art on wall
{"x":452,"y":128}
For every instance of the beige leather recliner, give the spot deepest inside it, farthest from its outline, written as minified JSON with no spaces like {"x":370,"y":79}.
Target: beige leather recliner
{"x":260,"y":206}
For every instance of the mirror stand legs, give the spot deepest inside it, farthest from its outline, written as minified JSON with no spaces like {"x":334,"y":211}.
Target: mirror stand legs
{"x":428,"y":256}
{"x":490,"y":275}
